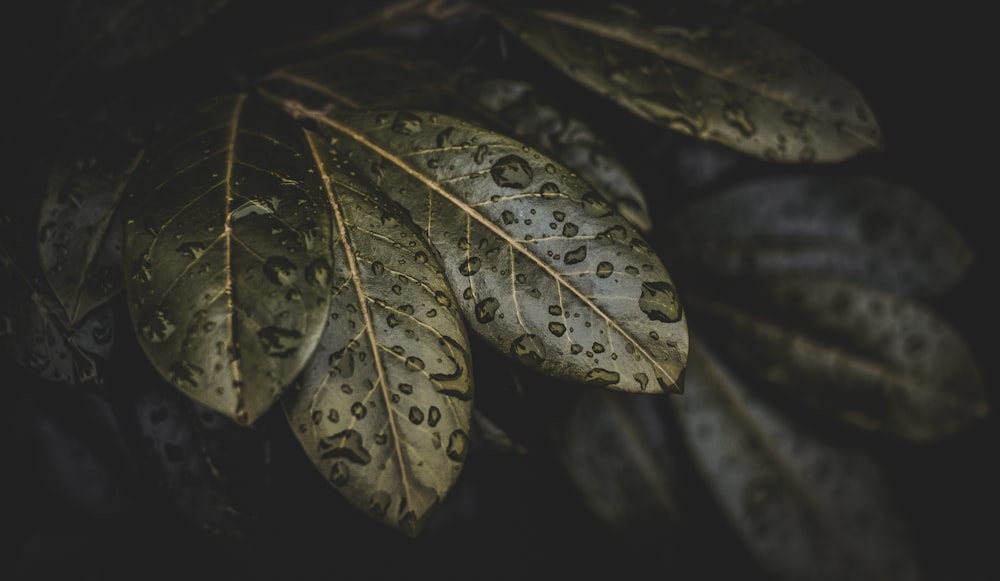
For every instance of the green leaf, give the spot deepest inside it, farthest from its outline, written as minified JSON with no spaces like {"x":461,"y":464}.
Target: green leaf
{"x":546,"y":271}
{"x":522,"y":111}
{"x":862,"y":228}
{"x":79,"y":230}
{"x":384,"y":406}
{"x":705,"y":74}
{"x":875,"y":360}
{"x":228,"y":257}
{"x":805,"y":506}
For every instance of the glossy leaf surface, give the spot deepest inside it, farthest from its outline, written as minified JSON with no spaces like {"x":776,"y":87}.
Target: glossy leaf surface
{"x":384,"y":406}
{"x":861,"y":228}
{"x":545,"y":270}
{"x":79,"y":230}
{"x":707,"y":75}
{"x":228,"y":256}
{"x":875,"y":360}
{"x":806,"y":507}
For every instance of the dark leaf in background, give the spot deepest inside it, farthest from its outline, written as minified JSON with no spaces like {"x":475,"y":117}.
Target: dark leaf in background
{"x":862,"y":228}
{"x":875,"y":360}
{"x":705,"y":74}
{"x":79,"y":230}
{"x":545,"y":270}
{"x":227,"y":256}
{"x":383,"y":408}
{"x":806,"y":507}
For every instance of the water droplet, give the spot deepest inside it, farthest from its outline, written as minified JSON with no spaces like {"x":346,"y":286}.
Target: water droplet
{"x":486,"y":309}
{"x":576,"y":349}
{"x":511,"y":171}
{"x":597,"y":348}
{"x":142,"y":270}
{"x":470,"y":266}
{"x":185,"y":373}
{"x":468,"y":294}
{"x":416,"y":415}
{"x":480,"y":154}
{"x":659,"y":302}
{"x":555,"y":310}
{"x":570,"y":230}
{"x":420,"y":257}
{"x":433,"y":416}
{"x":631,"y":270}
{"x":602,"y":377}
{"x":549,"y":191}
{"x":444,"y":136}
{"x":508,"y":217}
{"x":736,"y":116}
{"x":333,"y":416}
{"x":155,"y":326}
{"x":407,"y":123}
{"x":279,"y":342}
{"x":405,"y":388}
{"x":528,"y":349}
{"x":575,"y":256}
{"x":318,"y":272}
{"x":377,"y":268}
{"x":346,"y":444}
{"x":458,"y":445}
{"x":381,"y":439}
{"x":393,"y":320}
{"x":442,"y":298}
{"x":358,"y":410}
{"x":594,"y":205}
{"x":379,"y":503}
{"x":642,"y":379}
{"x":559,"y":216}
{"x":279,"y":270}
{"x":397,"y":290}
{"x":614,"y":233}
{"x":414,"y":363}
{"x":557,"y":328}
{"x":339,"y":474}
{"x":605,"y":269}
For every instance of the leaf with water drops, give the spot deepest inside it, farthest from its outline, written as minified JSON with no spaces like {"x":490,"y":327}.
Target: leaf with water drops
{"x":805,"y":506}
{"x":546,"y":271}
{"x":616,"y":450}
{"x":384,"y":406}
{"x":214,"y":472}
{"x":35,"y":331}
{"x":875,"y":360}
{"x":862,"y":228}
{"x":519,"y":109}
{"x":228,"y":257}
{"x":705,"y":74}
{"x":79,"y":230}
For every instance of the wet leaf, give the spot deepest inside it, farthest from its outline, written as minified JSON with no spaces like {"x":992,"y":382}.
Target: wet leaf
{"x":614,"y":447}
{"x":524,"y":113}
{"x":705,"y":74}
{"x":874,"y":360}
{"x":383,"y":408}
{"x":211,"y":469}
{"x":227,"y":256}
{"x":35,"y":331}
{"x":806,"y":507}
{"x":79,"y":230}
{"x":545,"y":270}
{"x":861,"y":228}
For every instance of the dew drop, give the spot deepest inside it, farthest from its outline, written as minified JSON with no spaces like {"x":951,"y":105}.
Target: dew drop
{"x":442,"y":298}
{"x":420,"y":257}
{"x":486,"y":309}
{"x":358,"y":410}
{"x":597,"y":348}
{"x":508,"y":217}
{"x":557,"y":328}
{"x":605,"y":269}
{"x":555,"y":310}
{"x":458,"y":445}
{"x":414,"y":363}
{"x":659,"y":301}
{"x":470,"y":266}
{"x":642,"y":379}
{"x":480,"y":154}
{"x":379,"y":503}
{"x":278,"y":342}
{"x":594,"y":205}
{"x":407,"y":123}
{"x":347,"y":444}
{"x":318,"y":272}
{"x":378,"y":268}
{"x":576,"y":348}
{"x":405,"y":388}
{"x":155,"y":326}
{"x":191,"y":250}
{"x":570,"y":229}
{"x":576,"y":256}
{"x":511,"y":171}
{"x":340,"y":474}
{"x":279,"y":270}
{"x":416,"y":415}
{"x":602,"y":377}
{"x":185,"y":373}
{"x":433,"y":416}
{"x":528,"y":349}
{"x":559,"y":216}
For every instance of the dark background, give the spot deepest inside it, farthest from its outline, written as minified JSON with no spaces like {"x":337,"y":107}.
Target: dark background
{"x":78,"y":501}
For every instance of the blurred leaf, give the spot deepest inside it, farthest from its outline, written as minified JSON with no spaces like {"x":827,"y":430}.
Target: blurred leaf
{"x":79,"y":230}
{"x":548,"y":273}
{"x":807,"y":508}
{"x":705,"y":74}
{"x":520,"y":110}
{"x":228,"y":257}
{"x":211,"y":469}
{"x":383,"y":408}
{"x":34,"y":329}
{"x":875,"y":360}
{"x":862,"y":228}
{"x":614,"y":448}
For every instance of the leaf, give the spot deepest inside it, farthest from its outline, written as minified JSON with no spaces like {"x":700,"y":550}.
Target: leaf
{"x":875,"y":360}
{"x":806,"y":507}
{"x":34,"y":329}
{"x":79,"y":232}
{"x":547,"y":272}
{"x":227,"y":256}
{"x":862,"y":228}
{"x":211,"y":470}
{"x":616,"y":452}
{"x":523,"y":112}
{"x":384,"y":406}
{"x":705,"y":74}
